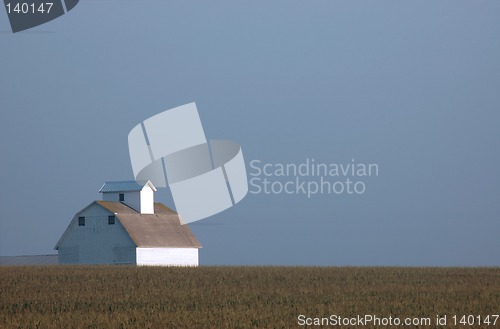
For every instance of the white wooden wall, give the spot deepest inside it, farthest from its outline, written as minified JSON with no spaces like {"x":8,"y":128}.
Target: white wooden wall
{"x":142,"y":201}
{"x":167,"y":256}
{"x":96,"y":242}
{"x":147,"y":200}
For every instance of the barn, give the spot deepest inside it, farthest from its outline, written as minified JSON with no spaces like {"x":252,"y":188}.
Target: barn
{"x":128,"y":227}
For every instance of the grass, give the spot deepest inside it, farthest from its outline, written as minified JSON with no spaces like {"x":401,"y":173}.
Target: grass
{"x":236,"y":297}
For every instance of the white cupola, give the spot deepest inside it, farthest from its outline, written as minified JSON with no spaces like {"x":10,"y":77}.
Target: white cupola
{"x":136,"y":195}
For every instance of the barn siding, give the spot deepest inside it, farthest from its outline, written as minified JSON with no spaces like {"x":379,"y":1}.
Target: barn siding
{"x":68,"y":255}
{"x":132,"y":198}
{"x":167,"y":256}
{"x":97,"y":242}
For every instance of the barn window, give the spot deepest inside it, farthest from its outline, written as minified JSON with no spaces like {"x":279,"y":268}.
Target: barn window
{"x":111,"y":220}
{"x":122,"y":197}
{"x":81,"y":221}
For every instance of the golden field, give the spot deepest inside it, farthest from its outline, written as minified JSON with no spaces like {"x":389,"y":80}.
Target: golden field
{"x":238,"y":297}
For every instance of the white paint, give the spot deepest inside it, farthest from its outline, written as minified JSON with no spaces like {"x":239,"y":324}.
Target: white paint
{"x":97,"y":242}
{"x":167,"y":256}
{"x":147,"y":200}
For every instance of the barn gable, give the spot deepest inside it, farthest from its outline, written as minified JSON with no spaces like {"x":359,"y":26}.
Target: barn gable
{"x":94,"y":236}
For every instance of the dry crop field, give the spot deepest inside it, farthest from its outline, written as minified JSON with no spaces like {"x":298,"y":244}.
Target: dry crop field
{"x":240,"y":297}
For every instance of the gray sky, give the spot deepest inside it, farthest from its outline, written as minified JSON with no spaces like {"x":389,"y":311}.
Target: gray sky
{"x":411,"y":86}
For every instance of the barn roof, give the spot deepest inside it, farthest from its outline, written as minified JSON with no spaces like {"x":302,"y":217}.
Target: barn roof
{"x":161,"y":229}
{"x":125,"y":186}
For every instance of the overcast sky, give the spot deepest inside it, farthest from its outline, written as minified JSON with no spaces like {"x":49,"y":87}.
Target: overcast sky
{"x":410,"y":86}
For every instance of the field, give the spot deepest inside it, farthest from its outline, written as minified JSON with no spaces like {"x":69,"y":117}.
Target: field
{"x":240,"y":297}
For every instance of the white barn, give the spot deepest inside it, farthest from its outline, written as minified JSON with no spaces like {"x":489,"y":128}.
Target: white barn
{"x":128,"y":227}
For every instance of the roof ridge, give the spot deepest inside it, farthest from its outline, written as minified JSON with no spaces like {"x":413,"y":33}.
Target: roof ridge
{"x":125,"y":186}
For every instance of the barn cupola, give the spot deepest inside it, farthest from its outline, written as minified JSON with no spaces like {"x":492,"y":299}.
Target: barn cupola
{"x":136,"y":195}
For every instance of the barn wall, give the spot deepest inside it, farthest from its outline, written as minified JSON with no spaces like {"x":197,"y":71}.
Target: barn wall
{"x":132,"y":198}
{"x":167,"y":256}
{"x":97,"y":242}
{"x":110,"y":196}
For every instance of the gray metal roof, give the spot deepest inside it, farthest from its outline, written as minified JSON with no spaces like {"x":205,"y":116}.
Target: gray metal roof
{"x":124,"y":186}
